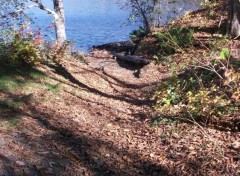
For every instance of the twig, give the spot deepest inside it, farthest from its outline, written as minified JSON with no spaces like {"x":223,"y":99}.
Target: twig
{"x":203,"y":131}
{"x":220,"y":22}
{"x":201,"y":128}
{"x":210,"y":69}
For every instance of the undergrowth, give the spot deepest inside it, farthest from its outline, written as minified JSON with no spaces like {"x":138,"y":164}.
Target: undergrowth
{"x":138,"y":34}
{"x":174,"y":39}
{"x":26,"y":48}
{"x":206,"y":92}
{"x":20,"y":50}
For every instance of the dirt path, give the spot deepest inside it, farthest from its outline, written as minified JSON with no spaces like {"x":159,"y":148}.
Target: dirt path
{"x":97,"y":124}
{"x":93,"y":126}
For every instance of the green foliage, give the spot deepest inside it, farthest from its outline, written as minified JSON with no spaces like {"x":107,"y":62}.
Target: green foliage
{"x":225,"y":53}
{"x":171,"y":95}
{"x":7,"y":83}
{"x":8,"y":110}
{"x":174,"y":40}
{"x":13,"y":122}
{"x":207,"y":102}
{"x":10,"y":106}
{"x":22,"y":51}
{"x":157,"y":120}
{"x":54,"y":53}
{"x":203,"y":93}
{"x":138,"y":34}
{"x":14,"y":77}
{"x":29,"y":49}
{"x":210,"y":5}
{"x":52,"y":88}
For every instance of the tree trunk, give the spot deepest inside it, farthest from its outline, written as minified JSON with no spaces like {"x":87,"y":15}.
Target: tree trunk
{"x":146,"y":21}
{"x":234,"y":18}
{"x":60,"y":21}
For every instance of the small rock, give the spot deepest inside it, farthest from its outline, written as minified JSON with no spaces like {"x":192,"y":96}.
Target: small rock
{"x":109,"y":125}
{"x":20,"y":163}
{"x":236,"y":145}
{"x":125,"y":157}
{"x":175,"y":135}
{"x":151,"y":155}
{"x":2,"y":142}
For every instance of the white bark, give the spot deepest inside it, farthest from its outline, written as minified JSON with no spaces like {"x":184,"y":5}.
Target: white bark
{"x":60,"y":21}
{"x":59,"y":18}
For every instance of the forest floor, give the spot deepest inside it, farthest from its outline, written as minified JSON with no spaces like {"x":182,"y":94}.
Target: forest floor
{"x":73,"y":118}
{"x":84,"y":120}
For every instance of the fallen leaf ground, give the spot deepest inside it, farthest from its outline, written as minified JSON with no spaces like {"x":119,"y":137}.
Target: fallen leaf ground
{"x":94,"y":121}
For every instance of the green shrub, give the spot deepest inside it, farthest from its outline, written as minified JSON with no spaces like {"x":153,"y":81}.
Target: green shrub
{"x":174,"y":39}
{"x":204,"y":92}
{"x":209,"y":6}
{"x":138,"y":34}
{"x":22,"y":50}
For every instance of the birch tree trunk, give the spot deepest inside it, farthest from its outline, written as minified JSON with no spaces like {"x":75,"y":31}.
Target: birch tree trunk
{"x":59,"y":18}
{"x":60,"y":21}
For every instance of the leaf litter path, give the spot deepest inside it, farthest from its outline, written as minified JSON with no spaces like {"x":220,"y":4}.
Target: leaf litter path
{"x":97,"y":124}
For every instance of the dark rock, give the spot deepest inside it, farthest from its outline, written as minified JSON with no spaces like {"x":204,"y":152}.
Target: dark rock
{"x":125,"y":46}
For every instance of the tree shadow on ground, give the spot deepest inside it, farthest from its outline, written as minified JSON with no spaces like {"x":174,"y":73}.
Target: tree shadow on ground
{"x":12,"y":69}
{"x":10,"y":106}
{"x":66,"y":145}
{"x":6,"y":166}
{"x":68,"y":149}
{"x":136,"y":68}
{"x":95,"y":156}
{"x":86,"y":100}
{"x":60,"y":70}
{"x":111,"y":83}
{"x":12,"y":77}
{"x":119,"y":82}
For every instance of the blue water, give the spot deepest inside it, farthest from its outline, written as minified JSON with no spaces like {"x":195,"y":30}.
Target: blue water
{"x":95,"y":22}
{"x":88,"y":22}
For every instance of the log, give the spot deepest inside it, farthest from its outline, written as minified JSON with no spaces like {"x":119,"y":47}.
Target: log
{"x":132,"y":58}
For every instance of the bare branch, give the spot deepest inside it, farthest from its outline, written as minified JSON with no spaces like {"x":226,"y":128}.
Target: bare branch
{"x":42,"y":7}
{"x":38,"y":4}
{"x":19,"y":11}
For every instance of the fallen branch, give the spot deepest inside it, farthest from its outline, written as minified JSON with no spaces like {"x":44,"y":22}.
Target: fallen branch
{"x":133,"y":59}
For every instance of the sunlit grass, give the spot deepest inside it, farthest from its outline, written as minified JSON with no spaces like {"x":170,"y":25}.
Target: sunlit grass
{"x":53,"y":88}
{"x":13,"y":122}
{"x":8,"y":83}
{"x":16,"y":78}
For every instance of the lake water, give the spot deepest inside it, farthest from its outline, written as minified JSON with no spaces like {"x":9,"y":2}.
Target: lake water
{"x":94,"y":22}
{"x":89,"y":22}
